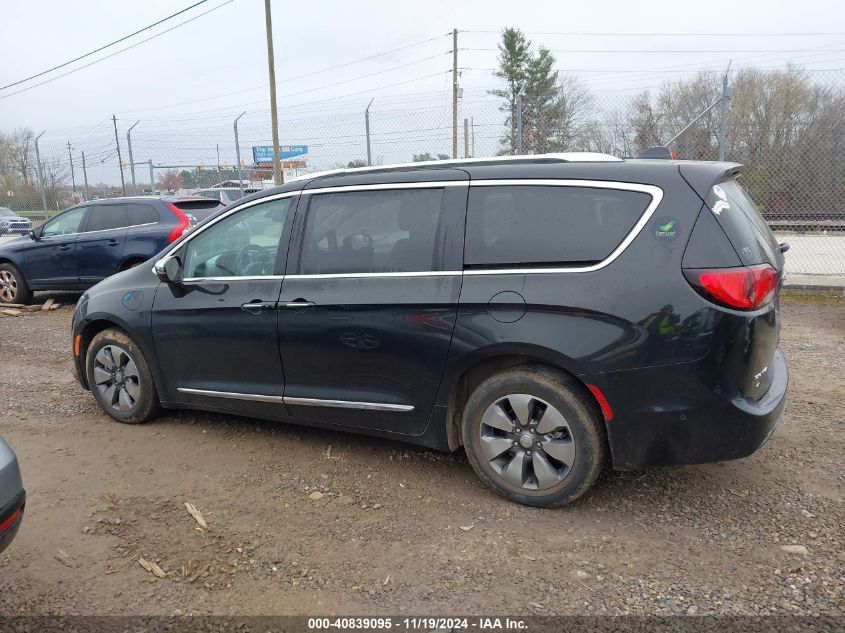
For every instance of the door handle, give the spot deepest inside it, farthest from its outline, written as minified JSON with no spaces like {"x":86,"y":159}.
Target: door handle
{"x":64,"y":247}
{"x":113,"y":242}
{"x":297,"y":303}
{"x":258,"y":306}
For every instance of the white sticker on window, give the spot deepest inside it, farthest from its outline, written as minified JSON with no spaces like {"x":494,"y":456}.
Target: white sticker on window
{"x":722,"y":203}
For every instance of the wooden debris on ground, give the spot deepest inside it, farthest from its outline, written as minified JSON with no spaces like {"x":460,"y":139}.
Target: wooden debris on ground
{"x":192,"y":510}
{"x":151,"y":567}
{"x":17,"y":309}
{"x":64,"y":558}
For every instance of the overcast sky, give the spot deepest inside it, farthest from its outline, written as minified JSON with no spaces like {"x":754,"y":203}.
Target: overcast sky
{"x":204,"y":62}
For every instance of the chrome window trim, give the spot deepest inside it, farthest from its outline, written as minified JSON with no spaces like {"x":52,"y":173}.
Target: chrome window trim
{"x":119,"y":228}
{"x":306,"y":402}
{"x":428,"y":184}
{"x":422,"y":273}
{"x":654,"y":191}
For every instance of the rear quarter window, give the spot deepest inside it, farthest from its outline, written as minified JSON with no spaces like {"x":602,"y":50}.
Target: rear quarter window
{"x":537,"y":225}
{"x":745,"y":227}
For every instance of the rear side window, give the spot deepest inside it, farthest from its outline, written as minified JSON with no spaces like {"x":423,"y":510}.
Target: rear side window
{"x":743,"y":224}
{"x":141,"y":214}
{"x":536,"y":225}
{"x":372,"y":232}
{"x":106,"y":216}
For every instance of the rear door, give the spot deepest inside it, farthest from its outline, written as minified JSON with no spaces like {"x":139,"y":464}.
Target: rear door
{"x":366,"y":321}
{"x":100,"y":244}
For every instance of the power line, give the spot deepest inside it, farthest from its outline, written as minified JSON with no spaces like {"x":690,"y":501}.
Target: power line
{"x":575,"y":33}
{"x":657,"y":50}
{"x":122,"y":50}
{"x":262,"y":86}
{"x":97,"y":50}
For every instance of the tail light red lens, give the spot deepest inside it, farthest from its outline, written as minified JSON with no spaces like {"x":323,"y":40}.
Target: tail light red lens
{"x":184,"y":223}
{"x":740,"y":288}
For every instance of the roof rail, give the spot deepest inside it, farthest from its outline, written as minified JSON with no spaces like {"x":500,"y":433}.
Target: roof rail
{"x":562,"y":157}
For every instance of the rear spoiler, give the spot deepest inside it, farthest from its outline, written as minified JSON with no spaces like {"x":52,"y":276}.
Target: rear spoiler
{"x":701,"y":176}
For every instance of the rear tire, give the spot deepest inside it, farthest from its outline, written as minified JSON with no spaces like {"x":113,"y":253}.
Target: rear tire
{"x":533,"y":436}
{"x":13,"y":288}
{"x":120,"y":378}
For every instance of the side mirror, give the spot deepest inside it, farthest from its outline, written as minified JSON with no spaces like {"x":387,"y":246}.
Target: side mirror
{"x":34,"y":234}
{"x":169,"y":270}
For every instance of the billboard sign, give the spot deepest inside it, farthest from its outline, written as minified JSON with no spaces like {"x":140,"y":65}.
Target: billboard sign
{"x":264,"y":153}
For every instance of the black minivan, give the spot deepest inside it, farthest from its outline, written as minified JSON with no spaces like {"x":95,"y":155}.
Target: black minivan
{"x":547,"y":313}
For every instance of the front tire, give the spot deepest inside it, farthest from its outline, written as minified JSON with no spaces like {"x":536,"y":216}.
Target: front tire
{"x":120,"y":378}
{"x":532,"y":435}
{"x":13,"y":288}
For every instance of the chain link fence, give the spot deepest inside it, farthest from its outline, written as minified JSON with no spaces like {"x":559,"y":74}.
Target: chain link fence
{"x":786,"y":127}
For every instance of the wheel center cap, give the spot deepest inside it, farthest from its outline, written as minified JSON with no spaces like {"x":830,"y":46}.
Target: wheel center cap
{"x":526,"y":441}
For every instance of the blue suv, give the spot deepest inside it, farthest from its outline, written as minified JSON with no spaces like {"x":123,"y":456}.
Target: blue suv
{"x":91,"y":241}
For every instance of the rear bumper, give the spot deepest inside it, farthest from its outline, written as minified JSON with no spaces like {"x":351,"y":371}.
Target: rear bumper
{"x":11,"y":517}
{"x":677,"y":417}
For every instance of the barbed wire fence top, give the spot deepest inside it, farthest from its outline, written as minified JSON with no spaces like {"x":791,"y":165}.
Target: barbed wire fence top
{"x":787,"y":127}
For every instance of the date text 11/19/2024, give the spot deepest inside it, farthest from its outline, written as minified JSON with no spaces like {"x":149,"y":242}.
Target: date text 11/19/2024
{"x":417,"y":624}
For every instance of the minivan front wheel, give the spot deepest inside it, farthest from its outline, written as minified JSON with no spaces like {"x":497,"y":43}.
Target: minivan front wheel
{"x":13,"y":288}
{"x":532,"y":435}
{"x":120,"y":378}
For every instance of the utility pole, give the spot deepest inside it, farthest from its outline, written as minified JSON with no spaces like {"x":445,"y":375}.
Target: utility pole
{"x":131,"y":162}
{"x":519,"y":124}
{"x":454,"y":93}
{"x":152,"y":179}
{"x":218,"y":161}
{"x":72,"y":176}
{"x":278,"y":176}
{"x":40,"y":173}
{"x":367,"y":125}
{"x":466,"y":138}
{"x":119,"y":159}
{"x":238,"y":154}
{"x":472,"y":128}
{"x":85,"y":175}
{"x":723,"y":114}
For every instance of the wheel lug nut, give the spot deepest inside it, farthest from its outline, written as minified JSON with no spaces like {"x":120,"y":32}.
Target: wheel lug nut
{"x":527,"y":452}
{"x":539,"y":445}
{"x":516,"y":443}
{"x":532,"y":430}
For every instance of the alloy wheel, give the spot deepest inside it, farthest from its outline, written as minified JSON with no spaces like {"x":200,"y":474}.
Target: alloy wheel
{"x":116,"y":377}
{"x":527,"y":442}
{"x":8,"y":286}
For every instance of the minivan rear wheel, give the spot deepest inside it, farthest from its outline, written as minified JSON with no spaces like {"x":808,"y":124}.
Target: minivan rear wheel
{"x":13,"y":288}
{"x":120,"y":378}
{"x":531,"y":434}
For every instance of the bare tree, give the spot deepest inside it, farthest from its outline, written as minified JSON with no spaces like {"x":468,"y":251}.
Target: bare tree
{"x":170,"y":180}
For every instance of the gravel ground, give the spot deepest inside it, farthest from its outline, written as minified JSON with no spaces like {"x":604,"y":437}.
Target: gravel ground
{"x":400,"y":530}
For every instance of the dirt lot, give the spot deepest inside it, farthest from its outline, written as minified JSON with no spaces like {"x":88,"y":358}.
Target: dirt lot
{"x":401,"y":530}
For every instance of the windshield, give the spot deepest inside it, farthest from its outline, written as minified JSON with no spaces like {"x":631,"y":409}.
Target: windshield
{"x":6,"y":213}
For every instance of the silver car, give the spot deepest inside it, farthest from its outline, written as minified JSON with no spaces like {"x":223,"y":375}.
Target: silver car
{"x":12,"y":495}
{"x":11,"y":222}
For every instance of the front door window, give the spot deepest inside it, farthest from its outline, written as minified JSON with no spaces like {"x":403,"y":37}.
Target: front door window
{"x":245,"y":244}
{"x":65,"y":224}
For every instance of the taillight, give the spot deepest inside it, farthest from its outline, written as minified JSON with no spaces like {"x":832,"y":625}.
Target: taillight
{"x":184,"y":223}
{"x":741,"y":288}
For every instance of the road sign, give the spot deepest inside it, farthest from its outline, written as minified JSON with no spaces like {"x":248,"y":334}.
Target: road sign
{"x":264,"y":153}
